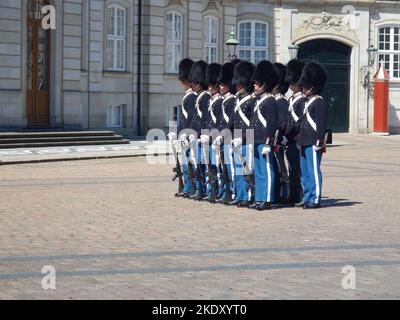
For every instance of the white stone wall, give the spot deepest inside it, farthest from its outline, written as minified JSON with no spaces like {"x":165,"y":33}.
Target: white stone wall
{"x":11,"y":113}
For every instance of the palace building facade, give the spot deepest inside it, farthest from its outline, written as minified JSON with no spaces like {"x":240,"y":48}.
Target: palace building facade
{"x":112,"y":64}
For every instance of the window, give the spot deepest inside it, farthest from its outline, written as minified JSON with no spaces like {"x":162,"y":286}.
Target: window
{"x":253,"y":38}
{"x":389,"y":49}
{"x":116,"y":38}
{"x":174,"y":41}
{"x":115,"y":116}
{"x":210,"y":38}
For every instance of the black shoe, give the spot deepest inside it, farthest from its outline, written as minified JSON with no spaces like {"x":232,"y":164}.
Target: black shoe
{"x":243,"y":204}
{"x":179,"y":195}
{"x":312,"y":206}
{"x":263,"y":206}
{"x":300,"y":205}
{"x":206,"y":198}
{"x":233,"y":203}
{"x":186,"y":195}
{"x":254,"y":205}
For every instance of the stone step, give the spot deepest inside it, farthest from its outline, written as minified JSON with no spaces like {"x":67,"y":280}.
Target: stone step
{"x":106,"y":139}
{"x":63,"y":144}
{"x":22,"y":135}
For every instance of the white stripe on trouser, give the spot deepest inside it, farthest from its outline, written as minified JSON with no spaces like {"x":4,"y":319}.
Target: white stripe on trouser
{"x":231,"y":158}
{"x":269,"y":178}
{"x":317,"y":186}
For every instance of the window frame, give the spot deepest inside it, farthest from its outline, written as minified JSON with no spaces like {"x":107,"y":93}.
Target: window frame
{"x":391,"y":52}
{"x":208,"y":45}
{"x":174,"y":42}
{"x":116,"y":38}
{"x":253,"y":48}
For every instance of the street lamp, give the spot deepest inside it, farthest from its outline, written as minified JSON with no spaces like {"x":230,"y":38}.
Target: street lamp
{"x":293,"y":50}
{"x":372,"y":53}
{"x":232,"y":44}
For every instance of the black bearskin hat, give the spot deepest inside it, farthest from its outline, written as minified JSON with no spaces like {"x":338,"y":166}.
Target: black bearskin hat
{"x":212,"y":73}
{"x":293,"y":71}
{"x":283,"y":86}
{"x":198,"y":73}
{"x":242,"y":75}
{"x":314,"y":76}
{"x":235,"y":61}
{"x":266,"y":74}
{"x":226,"y":75}
{"x":184,"y":69}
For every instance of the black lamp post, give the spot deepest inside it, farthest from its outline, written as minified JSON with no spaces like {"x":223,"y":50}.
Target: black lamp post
{"x":293,"y":50}
{"x":232,"y":44}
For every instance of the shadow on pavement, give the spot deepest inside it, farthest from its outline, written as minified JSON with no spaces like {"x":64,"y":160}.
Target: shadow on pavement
{"x":328,"y":202}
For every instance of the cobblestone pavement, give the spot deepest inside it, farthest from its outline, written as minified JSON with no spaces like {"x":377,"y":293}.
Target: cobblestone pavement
{"x":112,"y":230}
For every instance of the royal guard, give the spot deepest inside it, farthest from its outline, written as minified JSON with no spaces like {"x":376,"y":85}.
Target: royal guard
{"x":264,"y":124}
{"x":199,"y":122}
{"x":296,"y":106}
{"x":184,"y":124}
{"x":213,"y":117}
{"x":242,"y":80}
{"x":282,"y":187}
{"x":312,"y":133}
{"x":223,"y":141}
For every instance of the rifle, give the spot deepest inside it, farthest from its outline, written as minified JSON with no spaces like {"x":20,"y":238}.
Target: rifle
{"x":197,"y":172}
{"x":190,"y":173}
{"x":249,"y":176}
{"x":178,"y":169}
{"x":283,"y":174}
{"x":225,"y":177}
{"x":328,"y":139}
{"x":210,"y":175}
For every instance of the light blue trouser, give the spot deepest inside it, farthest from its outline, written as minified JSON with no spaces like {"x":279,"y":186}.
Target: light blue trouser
{"x":242,"y":194}
{"x":264,"y":175}
{"x":310,"y":162}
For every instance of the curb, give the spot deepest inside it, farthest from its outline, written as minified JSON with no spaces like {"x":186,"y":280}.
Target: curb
{"x":33,"y":161}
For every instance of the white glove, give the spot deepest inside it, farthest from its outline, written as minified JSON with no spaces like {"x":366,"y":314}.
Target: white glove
{"x":171,"y":136}
{"x":316,"y":148}
{"x":284,"y":141}
{"x":192,"y":138}
{"x":204,"y":139}
{"x":237,"y":143}
{"x":185,"y":144}
{"x":184,"y":137}
{"x":219,"y":140}
{"x":266,"y":150}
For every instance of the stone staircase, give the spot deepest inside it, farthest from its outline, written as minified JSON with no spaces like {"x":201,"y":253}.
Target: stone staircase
{"x":9,"y":140}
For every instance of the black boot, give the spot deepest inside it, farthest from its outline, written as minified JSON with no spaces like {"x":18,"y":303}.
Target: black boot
{"x":243,"y":204}
{"x":312,"y":206}
{"x":254,"y":205}
{"x":263,"y":206}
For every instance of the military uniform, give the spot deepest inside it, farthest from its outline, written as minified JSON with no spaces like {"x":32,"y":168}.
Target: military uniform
{"x":223,"y":141}
{"x":242,"y":122}
{"x":294,"y":69}
{"x":265,"y":122}
{"x":185,"y":123}
{"x":296,"y":107}
{"x":312,"y":134}
{"x":282,"y":179}
{"x":199,"y":121}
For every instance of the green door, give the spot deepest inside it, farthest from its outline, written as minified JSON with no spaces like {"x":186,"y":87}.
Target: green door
{"x":335,"y":57}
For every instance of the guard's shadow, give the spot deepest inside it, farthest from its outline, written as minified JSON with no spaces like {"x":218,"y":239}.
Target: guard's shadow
{"x":329,"y":202}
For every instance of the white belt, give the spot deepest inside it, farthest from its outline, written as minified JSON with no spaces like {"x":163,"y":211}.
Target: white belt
{"x":309,"y":118}
{"x":259,"y":114}
{"x":239,"y":109}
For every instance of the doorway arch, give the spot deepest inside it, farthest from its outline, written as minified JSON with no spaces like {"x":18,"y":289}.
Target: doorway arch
{"x":335,"y":56}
